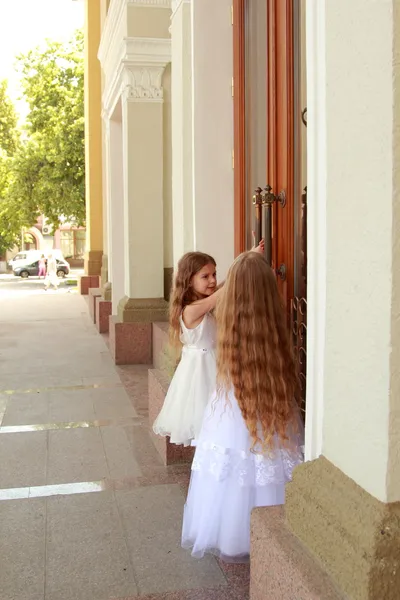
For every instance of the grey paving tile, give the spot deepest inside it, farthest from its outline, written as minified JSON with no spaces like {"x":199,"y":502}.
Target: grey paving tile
{"x":152,"y":519}
{"x":112,"y":403}
{"x":3,"y":407}
{"x":76,"y":455}
{"x":112,"y":377}
{"x":87,"y":557}
{"x":23,"y":459}
{"x":69,"y":406}
{"x":119,"y":453}
{"x":27,"y":409}
{"x":22,"y":549}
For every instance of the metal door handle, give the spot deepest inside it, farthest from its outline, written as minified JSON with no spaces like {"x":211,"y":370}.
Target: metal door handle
{"x":281,"y":272}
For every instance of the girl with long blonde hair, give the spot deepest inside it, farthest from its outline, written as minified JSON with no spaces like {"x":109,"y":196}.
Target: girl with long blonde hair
{"x":193,"y":332}
{"x":252,"y":432}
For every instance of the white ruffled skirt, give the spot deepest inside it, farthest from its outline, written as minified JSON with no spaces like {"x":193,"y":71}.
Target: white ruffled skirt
{"x":181,"y":416}
{"x":228,"y":481}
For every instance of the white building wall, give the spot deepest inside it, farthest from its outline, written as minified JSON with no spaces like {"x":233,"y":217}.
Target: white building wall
{"x":358,"y":378}
{"x":212,"y":68}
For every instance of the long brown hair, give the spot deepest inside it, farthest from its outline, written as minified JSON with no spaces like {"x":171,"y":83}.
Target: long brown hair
{"x":182,"y":292}
{"x":254,"y":351}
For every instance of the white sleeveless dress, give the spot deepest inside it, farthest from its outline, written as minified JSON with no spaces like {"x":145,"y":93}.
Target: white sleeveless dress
{"x":192,"y":385}
{"x":228,"y":481}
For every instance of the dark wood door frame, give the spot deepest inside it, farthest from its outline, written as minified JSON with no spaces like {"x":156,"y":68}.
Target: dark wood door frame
{"x":280,"y":132}
{"x":239,"y":160}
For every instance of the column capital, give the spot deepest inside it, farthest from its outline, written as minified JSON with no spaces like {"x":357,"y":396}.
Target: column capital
{"x":142,"y":83}
{"x":137,"y":71}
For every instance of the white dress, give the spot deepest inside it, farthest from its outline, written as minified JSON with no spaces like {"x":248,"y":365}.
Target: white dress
{"x":228,"y":481}
{"x":51,"y":274}
{"x":192,"y":385}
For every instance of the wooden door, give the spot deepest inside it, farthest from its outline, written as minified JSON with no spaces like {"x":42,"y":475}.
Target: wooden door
{"x":269,"y":152}
{"x":278,"y":130}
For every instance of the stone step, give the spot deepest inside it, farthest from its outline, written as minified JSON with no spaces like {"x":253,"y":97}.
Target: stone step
{"x":281,"y":567}
{"x":161,"y":357}
{"x":170,"y":453}
{"x":93,"y":294}
{"x":103,"y":313}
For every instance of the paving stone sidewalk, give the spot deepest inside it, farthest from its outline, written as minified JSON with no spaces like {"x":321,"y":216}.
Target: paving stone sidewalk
{"x":87,"y":510}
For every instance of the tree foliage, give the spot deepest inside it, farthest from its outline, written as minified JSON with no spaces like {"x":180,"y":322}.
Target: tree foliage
{"x":8,"y":122}
{"x":43,"y":171}
{"x":9,"y":141}
{"x":49,"y":166}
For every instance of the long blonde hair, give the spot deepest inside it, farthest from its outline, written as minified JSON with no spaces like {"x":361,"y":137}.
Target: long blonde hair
{"x":254,"y":351}
{"x":183,"y":293}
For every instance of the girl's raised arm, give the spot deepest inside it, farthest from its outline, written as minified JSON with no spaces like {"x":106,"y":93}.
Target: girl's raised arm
{"x":193,"y":313}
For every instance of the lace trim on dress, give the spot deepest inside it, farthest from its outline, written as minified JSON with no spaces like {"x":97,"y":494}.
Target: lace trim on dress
{"x":247,"y":468}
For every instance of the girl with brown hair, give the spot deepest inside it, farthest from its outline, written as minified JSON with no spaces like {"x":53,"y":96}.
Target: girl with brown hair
{"x":193,"y":332}
{"x":252,"y":432}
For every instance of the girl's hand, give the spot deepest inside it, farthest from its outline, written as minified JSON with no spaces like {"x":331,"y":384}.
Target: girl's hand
{"x":261,"y":246}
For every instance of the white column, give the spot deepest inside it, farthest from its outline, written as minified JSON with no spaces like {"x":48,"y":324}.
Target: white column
{"x":105,"y":270}
{"x":360,"y":379}
{"x":182,"y":184}
{"x":142,"y":125}
{"x":116,"y":264}
{"x":316,"y":224}
{"x":213,"y":130}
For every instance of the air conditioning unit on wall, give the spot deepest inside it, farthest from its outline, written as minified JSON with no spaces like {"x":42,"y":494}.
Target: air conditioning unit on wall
{"x":47,"y":230}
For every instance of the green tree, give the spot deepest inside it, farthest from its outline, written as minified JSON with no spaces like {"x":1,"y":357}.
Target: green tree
{"x":49,"y":167}
{"x":8,"y":122}
{"x":10,"y":226}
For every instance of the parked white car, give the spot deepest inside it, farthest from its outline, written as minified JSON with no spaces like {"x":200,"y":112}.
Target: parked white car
{"x":27,"y":257}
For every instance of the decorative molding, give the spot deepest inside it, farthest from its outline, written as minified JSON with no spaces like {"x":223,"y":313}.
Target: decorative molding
{"x":149,"y":51}
{"x":114,"y":29}
{"x":136,"y":71}
{"x":176,"y":4}
{"x":151,"y":3}
{"x":142,"y":84}
{"x":111,"y":28}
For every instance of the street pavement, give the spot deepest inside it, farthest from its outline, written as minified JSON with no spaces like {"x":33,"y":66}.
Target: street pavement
{"x":87,"y":510}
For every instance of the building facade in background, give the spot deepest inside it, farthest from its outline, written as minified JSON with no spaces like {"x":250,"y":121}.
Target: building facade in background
{"x":207,"y":120}
{"x":69,"y":239}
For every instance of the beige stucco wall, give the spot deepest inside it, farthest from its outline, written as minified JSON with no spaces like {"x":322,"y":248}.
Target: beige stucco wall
{"x":167,"y":170}
{"x":213,"y":130}
{"x":393,"y":476}
{"x":143,"y":199}
{"x":182,"y":166}
{"x":153,"y":24}
{"x":361,"y":380}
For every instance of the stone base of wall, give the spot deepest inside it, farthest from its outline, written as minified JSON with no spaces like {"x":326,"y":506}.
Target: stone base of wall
{"x":94,"y":294}
{"x":103,"y":313}
{"x":354,"y":536}
{"x":130,"y":343}
{"x":281,"y":567}
{"x":85,"y":282}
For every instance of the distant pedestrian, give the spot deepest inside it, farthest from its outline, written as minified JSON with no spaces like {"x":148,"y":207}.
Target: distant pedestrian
{"x":42,"y":266}
{"x":51,"y":276}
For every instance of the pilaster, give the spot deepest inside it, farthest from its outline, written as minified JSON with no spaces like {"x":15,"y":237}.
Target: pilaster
{"x":93,"y":140}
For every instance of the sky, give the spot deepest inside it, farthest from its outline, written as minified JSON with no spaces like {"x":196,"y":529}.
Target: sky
{"x":25,"y":24}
